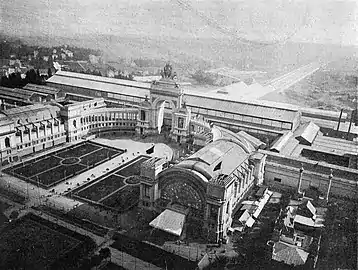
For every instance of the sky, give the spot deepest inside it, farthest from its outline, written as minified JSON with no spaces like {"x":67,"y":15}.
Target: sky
{"x":320,"y":21}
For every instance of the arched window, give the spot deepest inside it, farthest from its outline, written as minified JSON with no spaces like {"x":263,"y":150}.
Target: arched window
{"x":74,"y":123}
{"x":7,"y":142}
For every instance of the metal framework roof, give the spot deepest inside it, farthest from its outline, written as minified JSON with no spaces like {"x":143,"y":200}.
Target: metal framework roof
{"x":116,"y":86}
{"x":41,"y":89}
{"x":247,"y":108}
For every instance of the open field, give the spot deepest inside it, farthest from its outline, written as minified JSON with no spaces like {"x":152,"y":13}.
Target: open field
{"x":63,"y":164}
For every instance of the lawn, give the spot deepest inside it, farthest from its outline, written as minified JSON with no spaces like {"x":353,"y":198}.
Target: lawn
{"x":59,"y":173}
{"x":58,"y":166}
{"x":38,"y":166}
{"x":78,"y":151}
{"x":98,"y":156}
{"x":101,"y":189}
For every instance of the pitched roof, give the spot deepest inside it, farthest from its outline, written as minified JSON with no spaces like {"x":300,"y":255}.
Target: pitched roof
{"x":289,"y":254}
{"x":41,"y":89}
{"x":32,"y":113}
{"x":17,"y":93}
{"x":307,"y":133}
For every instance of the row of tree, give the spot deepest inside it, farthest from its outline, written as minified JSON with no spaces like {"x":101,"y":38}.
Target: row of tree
{"x":96,"y":260}
{"x":15,"y":80}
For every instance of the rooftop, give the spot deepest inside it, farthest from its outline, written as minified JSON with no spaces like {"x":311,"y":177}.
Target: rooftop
{"x":289,"y":254}
{"x":41,"y":89}
{"x":248,"y":108}
{"x":32,"y":113}
{"x":220,"y":157}
{"x":17,"y":93}
{"x":118,"y":86}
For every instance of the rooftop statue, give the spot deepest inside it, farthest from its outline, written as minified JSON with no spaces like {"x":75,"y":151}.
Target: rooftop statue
{"x":167,"y":72}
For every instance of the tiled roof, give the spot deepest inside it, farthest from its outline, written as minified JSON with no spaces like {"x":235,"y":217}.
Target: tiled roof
{"x":32,"y":113}
{"x":18,"y":93}
{"x":289,"y":254}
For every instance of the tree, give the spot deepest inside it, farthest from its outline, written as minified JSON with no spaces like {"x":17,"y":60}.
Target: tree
{"x":105,"y":253}
{"x":14,"y":215}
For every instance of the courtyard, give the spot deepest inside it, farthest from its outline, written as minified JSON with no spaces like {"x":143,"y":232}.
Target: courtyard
{"x":56,"y":167}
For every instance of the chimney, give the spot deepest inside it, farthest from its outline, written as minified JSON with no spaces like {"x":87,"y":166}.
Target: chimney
{"x":350,"y":125}
{"x":329,"y":185}
{"x":300,"y":180}
{"x":339,"y":120}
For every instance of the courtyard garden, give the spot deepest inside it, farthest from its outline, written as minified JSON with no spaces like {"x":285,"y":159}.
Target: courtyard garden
{"x":53,"y":168}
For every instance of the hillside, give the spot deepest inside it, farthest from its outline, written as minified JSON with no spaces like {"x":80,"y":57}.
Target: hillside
{"x":207,"y":36}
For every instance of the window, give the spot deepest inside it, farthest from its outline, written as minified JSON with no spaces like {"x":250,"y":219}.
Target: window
{"x":214,"y":212}
{"x":277,"y":180}
{"x":74,"y":123}
{"x":146,"y":191}
{"x":7,"y":142}
{"x":180,"y":122}
{"x":228,"y":208}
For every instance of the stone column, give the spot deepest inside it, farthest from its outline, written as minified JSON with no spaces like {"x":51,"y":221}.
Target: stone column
{"x":300,"y":180}
{"x":329,"y":185}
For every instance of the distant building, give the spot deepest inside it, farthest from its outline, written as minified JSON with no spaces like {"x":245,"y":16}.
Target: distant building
{"x":68,"y":53}
{"x":93,"y":59}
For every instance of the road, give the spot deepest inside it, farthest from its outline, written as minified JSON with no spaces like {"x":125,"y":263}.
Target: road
{"x":289,"y":79}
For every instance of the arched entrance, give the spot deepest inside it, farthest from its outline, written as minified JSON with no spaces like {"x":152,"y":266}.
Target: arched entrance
{"x":181,"y":186}
{"x":167,"y":113}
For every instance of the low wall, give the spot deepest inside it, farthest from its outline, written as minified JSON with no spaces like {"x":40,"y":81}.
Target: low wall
{"x":284,"y":171}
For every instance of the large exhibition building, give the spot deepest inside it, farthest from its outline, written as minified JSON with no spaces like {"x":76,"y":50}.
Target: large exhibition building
{"x":238,"y":143}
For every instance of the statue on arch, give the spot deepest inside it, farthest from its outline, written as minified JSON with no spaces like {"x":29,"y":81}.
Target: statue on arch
{"x":167,"y":72}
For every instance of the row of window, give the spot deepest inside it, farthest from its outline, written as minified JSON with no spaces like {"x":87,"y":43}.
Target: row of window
{"x":243,"y":118}
{"x":41,"y":140}
{"x":109,"y":117}
{"x":109,"y":125}
{"x":121,"y":97}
